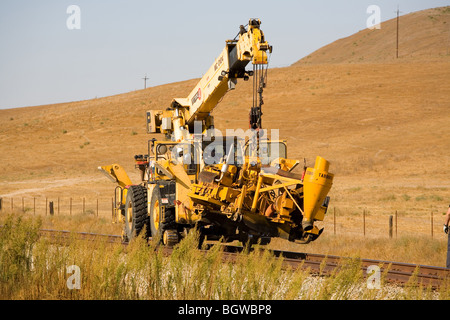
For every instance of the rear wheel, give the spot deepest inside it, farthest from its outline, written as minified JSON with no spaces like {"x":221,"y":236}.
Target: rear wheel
{"x":162,"y":220}
{"x":136,"y":218}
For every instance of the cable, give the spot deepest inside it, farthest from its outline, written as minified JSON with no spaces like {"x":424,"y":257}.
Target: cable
{"x":240,"y":31}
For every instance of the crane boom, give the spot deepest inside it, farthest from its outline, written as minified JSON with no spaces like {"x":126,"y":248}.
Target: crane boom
{"x":218,"y":80}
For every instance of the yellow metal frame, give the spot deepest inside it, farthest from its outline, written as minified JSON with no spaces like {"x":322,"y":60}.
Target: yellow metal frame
{"x":289,"y":182}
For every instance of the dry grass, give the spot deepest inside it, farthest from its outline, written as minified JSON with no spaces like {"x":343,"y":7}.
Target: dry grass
{"x":32,"y":268}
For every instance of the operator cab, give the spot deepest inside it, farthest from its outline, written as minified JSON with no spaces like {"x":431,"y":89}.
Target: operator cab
{"x":269,"y":150}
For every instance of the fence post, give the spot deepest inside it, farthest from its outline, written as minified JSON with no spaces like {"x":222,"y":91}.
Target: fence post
{"x":51,"y":208}
{"x":23,"y":205}
{"x":364,"y":222}
{"x":431,"y":224}
{"x":396,"y":223}
{"x":97,"y":207}
{"x":1,"y":200}
{"x":70,"y":206}
{"x":334,"y":219}
{"x":390,"y":226}
{"x":46,"y":205}
{"x":12,"y":204}
{"x":34,"y":205}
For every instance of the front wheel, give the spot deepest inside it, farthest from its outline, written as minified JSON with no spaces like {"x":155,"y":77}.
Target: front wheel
{"x":136,"y":218}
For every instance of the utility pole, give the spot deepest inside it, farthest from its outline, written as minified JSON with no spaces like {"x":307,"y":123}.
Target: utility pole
{"x":145,"y":81}
{"x":448,"y":42}
{"x":398,"y":16}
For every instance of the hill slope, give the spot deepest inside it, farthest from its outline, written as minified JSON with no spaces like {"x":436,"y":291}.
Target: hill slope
{"x":423,"y":35}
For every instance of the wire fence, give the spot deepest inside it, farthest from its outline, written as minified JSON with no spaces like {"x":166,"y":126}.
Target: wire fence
{"x":59,"y":206}
{"x":338,"y":220}
{"x":391,"y":223}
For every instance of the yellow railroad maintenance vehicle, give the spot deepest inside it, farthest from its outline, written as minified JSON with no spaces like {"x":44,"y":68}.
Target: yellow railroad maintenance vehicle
{"x":235,"y":187}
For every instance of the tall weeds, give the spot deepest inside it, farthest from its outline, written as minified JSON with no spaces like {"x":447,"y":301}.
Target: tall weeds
{"x":34,"y":268}
{"x":17,"y":240}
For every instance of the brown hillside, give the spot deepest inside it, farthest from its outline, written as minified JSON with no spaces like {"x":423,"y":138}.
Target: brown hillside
{"x":384,"y":127}
{"x":423,"y":35}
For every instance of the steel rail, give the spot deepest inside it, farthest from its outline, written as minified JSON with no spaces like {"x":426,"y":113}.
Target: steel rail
{"x":88,"y":236}
{"x":391,"y":271}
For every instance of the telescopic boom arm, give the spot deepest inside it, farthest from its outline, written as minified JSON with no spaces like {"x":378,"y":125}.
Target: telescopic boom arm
{"x":221,"y":77}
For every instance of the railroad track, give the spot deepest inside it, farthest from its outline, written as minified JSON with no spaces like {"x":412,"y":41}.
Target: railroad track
{"x":394,"y":272}
{"x":63,"y":235}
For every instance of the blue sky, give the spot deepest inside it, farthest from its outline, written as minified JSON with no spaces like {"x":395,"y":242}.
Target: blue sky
{"x":42,"y":61}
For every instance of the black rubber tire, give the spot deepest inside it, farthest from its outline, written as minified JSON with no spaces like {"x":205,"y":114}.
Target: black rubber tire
{"x":170,"y":237}
{"x":160,"y":220}
{"x":136,"y":205}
